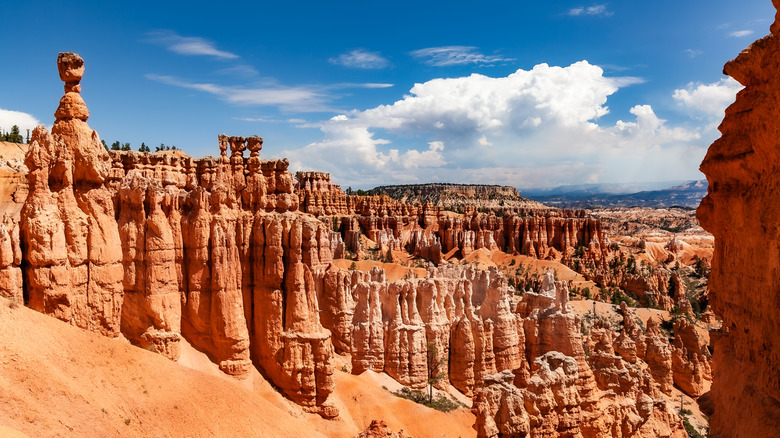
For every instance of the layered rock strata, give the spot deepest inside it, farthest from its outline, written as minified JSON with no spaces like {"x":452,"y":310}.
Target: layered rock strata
{"x":458,"y":196}
{"x":742,"y":211}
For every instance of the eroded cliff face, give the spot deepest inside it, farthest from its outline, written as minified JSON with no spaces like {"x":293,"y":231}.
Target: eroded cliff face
{"x":576,"y":386}
{"x":68,"y":220}
{"x":742,"y":211}
{"x":465,"y":315}
{"x":427,"y":231}
{"x":160,"y":246}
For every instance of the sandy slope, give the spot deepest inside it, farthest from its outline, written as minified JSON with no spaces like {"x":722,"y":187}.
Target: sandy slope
{"x":58,"y":380}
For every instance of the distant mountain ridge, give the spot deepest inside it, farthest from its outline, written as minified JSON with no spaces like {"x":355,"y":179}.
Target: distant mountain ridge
{"x":684,"y":194}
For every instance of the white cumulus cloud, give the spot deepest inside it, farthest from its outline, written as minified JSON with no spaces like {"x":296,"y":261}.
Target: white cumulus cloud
{"x":530,"y":128}
{"x":709,"y":100}
{"x":24,"y":121}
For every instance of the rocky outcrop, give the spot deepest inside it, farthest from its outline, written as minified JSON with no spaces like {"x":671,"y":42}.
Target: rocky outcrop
{"x":658,"y":356}
{"x":462,"y":316}
{"x":379,"y":429}
{"x":548,"y":406}
{"x":743,"y":213}
{"x":691,"y":359}
{"x":161,"y":246}
{"x":151,"y":312}
{"x":11,"y":282}
{"x":426,"y":230}
{"x":73,"y":247}
{"x":551,"y":326}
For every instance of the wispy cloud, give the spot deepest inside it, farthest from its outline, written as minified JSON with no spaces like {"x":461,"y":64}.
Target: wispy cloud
{"x":240,"y":70}
{"x":188,"y":45}
{"x":360,"y":58}
{"x":456,"y":55}
{"x":305,"y":98}
{"x":692,"y":53}
{"x":740,"y":33}
{"x":360,"y":85}
{"x":298,"y":98}
{"x":591,"y":10}
{"x":267,"y":120}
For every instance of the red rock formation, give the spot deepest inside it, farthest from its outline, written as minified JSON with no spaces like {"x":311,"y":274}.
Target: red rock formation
{"x":427,"y":231}
{"x":659,"y":357}
{"x":212,"y":250}
{"x":690,"y":359}
{"x":742,"y":211}
{"x":465,"y":315}
{"x":68,"y":220}
{"x":550,"y":326}
{"x":614,"y":373}
{"x":630,"y":343}
{"x":379,"y":429}
{"x":151,"y":312}
{"x":548,"y":406}
{"x":10,"y":260}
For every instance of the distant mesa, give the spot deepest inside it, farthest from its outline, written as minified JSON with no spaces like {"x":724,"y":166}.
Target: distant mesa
{"x":460,"y":197}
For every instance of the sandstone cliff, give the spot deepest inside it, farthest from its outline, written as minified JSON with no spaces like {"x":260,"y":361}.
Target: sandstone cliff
{"x":160,"y":246}
{"x":743,"y":213}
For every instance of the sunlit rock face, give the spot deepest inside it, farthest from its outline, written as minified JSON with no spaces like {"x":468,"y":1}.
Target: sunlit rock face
{"x":742,"y":211}
{"x":71,"y":239}
{"x":157,"y":247}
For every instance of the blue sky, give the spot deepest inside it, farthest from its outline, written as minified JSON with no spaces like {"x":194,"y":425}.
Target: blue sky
{"x":507,"y":92}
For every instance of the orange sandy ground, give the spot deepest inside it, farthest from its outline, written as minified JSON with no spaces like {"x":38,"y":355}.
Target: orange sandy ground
{"x":58,"y":380}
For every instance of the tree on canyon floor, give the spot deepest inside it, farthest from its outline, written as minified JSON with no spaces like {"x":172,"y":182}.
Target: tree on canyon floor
{"x":435,"y":363}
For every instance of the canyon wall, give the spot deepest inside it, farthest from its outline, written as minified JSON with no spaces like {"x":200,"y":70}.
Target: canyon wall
{"x":429,"y":231}
{"x":742,"y":211}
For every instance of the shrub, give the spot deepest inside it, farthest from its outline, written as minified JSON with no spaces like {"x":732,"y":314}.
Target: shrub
{"x":440,"y":402}
{"x":586,"y":293}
